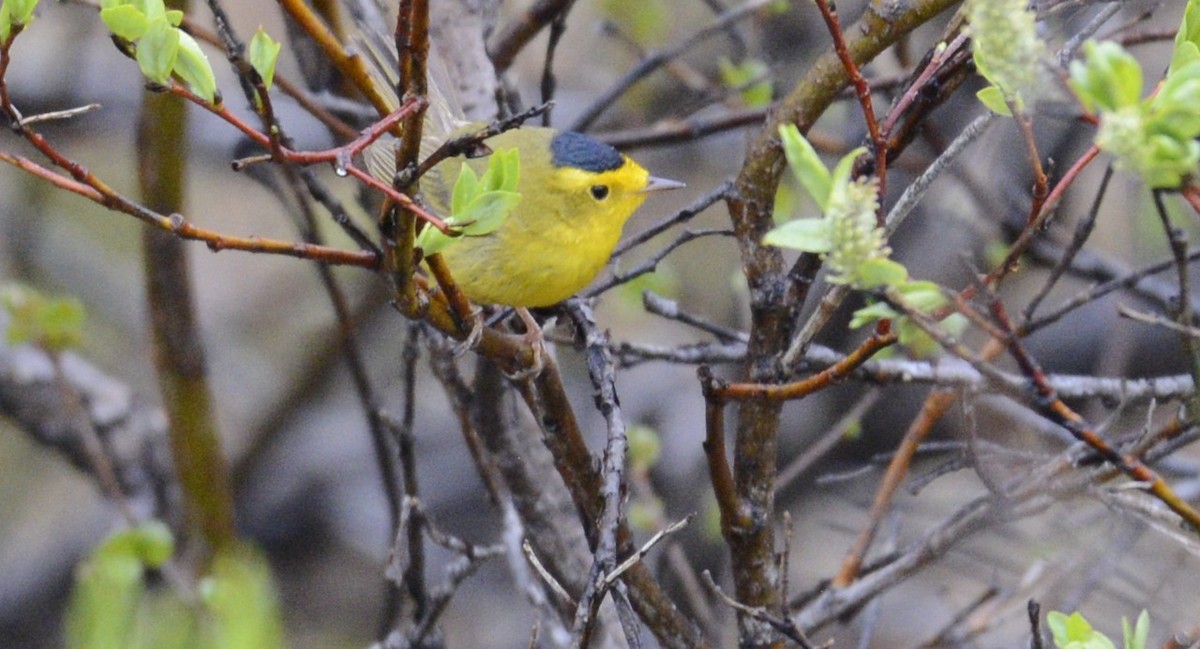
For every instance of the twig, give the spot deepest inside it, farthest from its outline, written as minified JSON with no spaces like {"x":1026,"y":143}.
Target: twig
{"x":558,"y":27}
{"x":546,"y":576}
{"x":669,"y":309}
{"x":1131,"y":280}
{"x":470,"y":558}
{"x":658,"y":59}
{"x":672,"y":130}
{"x":1049,"y":403}
{"x":682,"y":216}
{"x":1082,"y":231}
{"x":804,"y":387}
{"x":350,"y":65}
{"x":57,"y":115}
{"x":616,"y":572}
{"x":719,"y":471}
{"x":133,"y":434}
{"x":946,"y":372}
{"x":862,"y":91}
{"x":782,"y":625}
{"x":517,"y":34}
{"x":468,"y":143}
{"x":651,"y":264}
{"x":822,"y":446}
{"x":1182,"y":305}
{"x":933,"y":409}
{"x":385,"y":456}
{"x":414,"y":575}
{"x":1034,"y":611}
{"x":602,"y":374}
{"x":177,"y":225}
{"x":93,"y":448}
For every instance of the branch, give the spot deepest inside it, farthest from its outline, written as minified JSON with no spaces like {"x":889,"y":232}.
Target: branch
{"x":133,"y":433}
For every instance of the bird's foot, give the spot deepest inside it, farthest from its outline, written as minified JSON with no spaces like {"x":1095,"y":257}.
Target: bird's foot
{"x":537,"y":344}
{"x":473,"y":336}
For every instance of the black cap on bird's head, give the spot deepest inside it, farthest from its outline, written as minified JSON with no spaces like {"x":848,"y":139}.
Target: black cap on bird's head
{"x":578,"y":151}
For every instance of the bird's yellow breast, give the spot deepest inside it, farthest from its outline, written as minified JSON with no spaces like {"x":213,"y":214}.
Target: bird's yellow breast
{"x":559,"y":236}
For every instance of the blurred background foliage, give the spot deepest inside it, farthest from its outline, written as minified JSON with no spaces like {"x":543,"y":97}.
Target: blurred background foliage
{"x":307,"y":489}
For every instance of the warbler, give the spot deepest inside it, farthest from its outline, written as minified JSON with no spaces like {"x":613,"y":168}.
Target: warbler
{"x":576,"y":193}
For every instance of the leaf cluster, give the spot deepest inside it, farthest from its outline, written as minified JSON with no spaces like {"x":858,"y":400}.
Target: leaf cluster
{"x":1154,"y":137}
{"x":851,"y":244}
{"x":1006,"y":51}
{"x":1074,"y":632}
{"x":111,"y":607}
{"x":478,"y":205}
{"x":15,"y":13}
{"x":53,"y":324}
{"x":161,"y":48}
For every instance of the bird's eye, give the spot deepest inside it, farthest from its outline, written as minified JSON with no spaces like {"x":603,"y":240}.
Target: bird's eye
{"x":599,"y":192}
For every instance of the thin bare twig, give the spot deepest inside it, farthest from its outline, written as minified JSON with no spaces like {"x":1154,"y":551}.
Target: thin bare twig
{"x":782,"y":625}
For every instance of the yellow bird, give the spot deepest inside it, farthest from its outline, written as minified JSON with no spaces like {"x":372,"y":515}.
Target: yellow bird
{"x":576,"y":195}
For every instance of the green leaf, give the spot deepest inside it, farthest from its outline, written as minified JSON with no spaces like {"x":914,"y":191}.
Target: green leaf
{"x":841,"y":173}
{"x":806,"y":165}
{"x":777,"y":8}
{"x":787,"y":199}
{"x":103,"y":603}
{"x":993,"y":99}
{"x":955,"y":324}
{"x":55,"y":325}
{"x":503,"y":171}
{"x":1074,"y":632}
{"x":464,"y":189}
{"x":431,"y":241}
{"x":1185,"y":54}
{"x":108,"y":585}
{"x":914,"y":340}
{"x":1173,"y":109}
{"x":645,"y":21}
{"x":750,"y":78}
{"x":1057,"y":624}
{"x":923,"y":295}
{"x":125,"y":21}
{"x":264,"y":54}
{"x":511,"y":160}
{"x":646,"y":512}
{"x":157,"y":51}
{"x":166,"y":621}
{"x":241,"y":597}
{"x":154,"y":9}
{"x":645,"y":447}
{"x":174,"y":17}
{"x":6,"y":23}
{"x":1111,"y":78}
{"x":631,"y":296}
{"x":880,"y":272}
{"x":486,"y":212}
{"x":1187,"y":39}
{"x":21,"y":10}
{"x":1136,"y":637}
{"x":192,"y":66}
{"x":871,"y":314}
{"x":809,"y":235}
{"x":478,"y":205}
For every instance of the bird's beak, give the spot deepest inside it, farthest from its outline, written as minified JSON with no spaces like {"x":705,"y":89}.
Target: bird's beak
{"x":661,"y":184}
